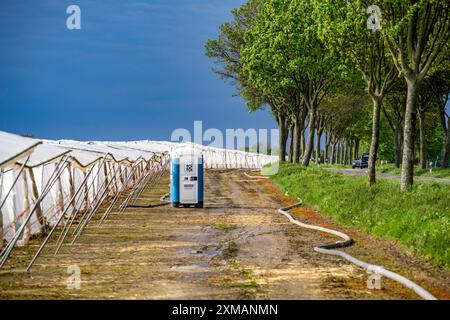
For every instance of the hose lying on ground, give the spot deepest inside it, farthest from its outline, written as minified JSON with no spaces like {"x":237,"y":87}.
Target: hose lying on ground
{"x":163,"y":198}
{"x":345,"y":242}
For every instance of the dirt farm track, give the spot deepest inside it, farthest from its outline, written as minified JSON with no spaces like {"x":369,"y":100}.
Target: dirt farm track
{"x":237,"y":247}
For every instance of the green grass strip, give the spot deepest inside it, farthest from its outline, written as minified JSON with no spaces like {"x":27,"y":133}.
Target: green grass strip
{"x":419,"y":219}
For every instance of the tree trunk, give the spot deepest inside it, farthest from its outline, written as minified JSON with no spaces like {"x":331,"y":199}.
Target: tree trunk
{"x":358,"y":142}
{"x":304,"y":115}
{"x":303,"y":143}
{"x":356,"y":150}
{"x":327,"y":148}
{"x":333,"y":152}
{"x":398,"y":145}
{"x":352,"y":151}
{"x":291,"y":143}
{"x":282,"y":136}
{"x":338,"y":153}
{"x":311,"y":129}
{"x":422,"y":147}
{"x":407,"y":176}
{"x":446,"y":160}
{"x":297,"y":140}
{"x":346,"y":149}
{"x":371,"y":178}
{"x":349,"y":151}
{"x":319,"y":133}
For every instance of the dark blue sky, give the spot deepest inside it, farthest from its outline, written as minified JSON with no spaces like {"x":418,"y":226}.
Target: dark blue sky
{"x":136,"y":70}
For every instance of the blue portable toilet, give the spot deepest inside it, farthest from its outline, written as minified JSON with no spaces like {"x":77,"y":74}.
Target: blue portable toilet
{"x":186,"y":177}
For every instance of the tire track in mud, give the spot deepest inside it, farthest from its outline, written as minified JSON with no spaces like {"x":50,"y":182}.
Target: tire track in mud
{"x":237,"y":247}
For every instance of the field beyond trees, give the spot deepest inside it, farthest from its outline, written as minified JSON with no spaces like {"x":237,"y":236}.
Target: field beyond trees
{"x":442,"y":173}
{"x":419,"y":219}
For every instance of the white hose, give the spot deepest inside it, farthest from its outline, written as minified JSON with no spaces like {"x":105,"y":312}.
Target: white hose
{"x":347,"y":241}
{"x":163,"y":198}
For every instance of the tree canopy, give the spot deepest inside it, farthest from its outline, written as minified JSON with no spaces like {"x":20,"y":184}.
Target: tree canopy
{"x":320,"y":64}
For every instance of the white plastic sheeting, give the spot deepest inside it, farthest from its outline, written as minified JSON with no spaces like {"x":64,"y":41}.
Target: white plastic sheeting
{"x":146,"y":145}
{"x":106,"y":159}
{"x":234,"y":159}
{"x":84,"y":159}
{"x":119,"y":154}
{"x":213,"y":157}
{"x":14,"y":147}
{"x":42,"y":154}
{"x":20,"y":187}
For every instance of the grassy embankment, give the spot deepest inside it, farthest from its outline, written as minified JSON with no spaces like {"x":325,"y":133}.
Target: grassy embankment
{"x":419,"y":219}
{"x":390,"y":168}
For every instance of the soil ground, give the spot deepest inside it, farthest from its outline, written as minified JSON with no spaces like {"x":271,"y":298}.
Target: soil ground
{"x":237,"y":247}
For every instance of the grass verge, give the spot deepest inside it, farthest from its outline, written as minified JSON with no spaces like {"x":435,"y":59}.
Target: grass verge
{"x":419,"y":219}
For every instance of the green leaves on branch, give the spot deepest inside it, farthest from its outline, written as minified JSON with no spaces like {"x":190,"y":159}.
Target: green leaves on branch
{"x":282,"y":52}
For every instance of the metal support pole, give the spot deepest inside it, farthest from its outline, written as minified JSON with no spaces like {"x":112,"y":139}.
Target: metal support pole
{"x":146,"y":177}
{"x":122,"y":190}
{"x":54,"y":177}
{"x":92,"y":213}
{"x":132,"y":193}
{"x":72,"y":217}
{"x":163,"y":168}
{"x":161,"y":172}
{"x":95,"y":197}
{"x":58,"y":222}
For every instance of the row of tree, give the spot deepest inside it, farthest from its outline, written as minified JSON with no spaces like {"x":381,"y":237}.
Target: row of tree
{"x":338,"y":70}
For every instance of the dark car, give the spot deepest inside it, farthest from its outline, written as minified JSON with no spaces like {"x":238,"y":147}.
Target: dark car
{"x":361,"y":163}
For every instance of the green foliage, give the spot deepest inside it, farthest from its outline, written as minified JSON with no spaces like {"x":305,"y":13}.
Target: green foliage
{"x":434,"y":137}
{"x":346,"y":109}
{"x":226,"y":50}
{"x":419,"y":219}
{"x":282,"y":53}
{"x":342,"y":26}
{"x":386,"y":147}
{"x":319,"y":56}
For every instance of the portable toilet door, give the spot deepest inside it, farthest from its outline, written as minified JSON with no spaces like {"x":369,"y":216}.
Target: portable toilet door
{"x":186,"y":177}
